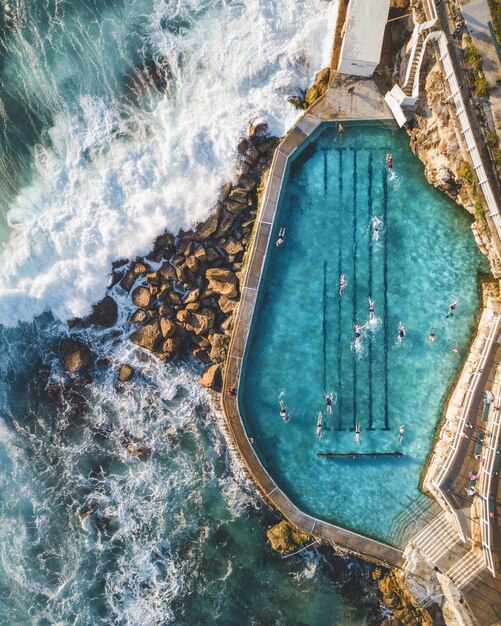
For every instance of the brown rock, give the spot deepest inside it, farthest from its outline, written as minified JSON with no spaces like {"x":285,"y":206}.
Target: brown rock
{"x":172,"y":344}
{"x":141,"y":297}
{"x":153,"y":278}
{"x":227,"y":325}
{"x":147,"y":336}
{"x":125,"y":373}
{"x":167,"y":272}
{"x":193,"y":306}
{"x":167,"y":327}
{"x":242,"y":147}
{"x":239,"y":195}
{"x":219,"y":347}
{"x":175,"y":298}
{"x":137,"y":268}
{"x":258,"y":129}
{"x":226,"y":223}
{"x":75,"y":354}
{"x":115,"y":278}
{"x":212,"y":255}
{"x":104,"y":313}
{"x":200,"y":253}
{"x":211,"y":377}
{"x":185,"y":247}
{"x":192,"y":263}
{"x":205,"y":229}
{"x":223,"y":282}
{"x":252,"y":155}
{"x":192,"y":296}
{"x":234,"y":207}
{"x":197,"y":322}
{"x":232,"y":246}
{"x":201,"y":355}
{"x":139,"y":316}
{"x":165,"y":310}
{"x":285,"y":538}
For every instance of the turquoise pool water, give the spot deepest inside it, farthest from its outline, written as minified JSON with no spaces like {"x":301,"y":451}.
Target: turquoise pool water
{"x":302,"y":343}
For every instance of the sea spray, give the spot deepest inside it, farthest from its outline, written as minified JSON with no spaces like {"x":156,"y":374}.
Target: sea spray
{"x":113,"y":161}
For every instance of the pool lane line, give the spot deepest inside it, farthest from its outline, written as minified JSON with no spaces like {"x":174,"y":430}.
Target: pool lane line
{"x":370,"y":241}
{"x":385,"y":288}
{"x":354,"y":313}
{"x":324,"y":328}
{"x":325,"y":173}
{"x":339,"y":297}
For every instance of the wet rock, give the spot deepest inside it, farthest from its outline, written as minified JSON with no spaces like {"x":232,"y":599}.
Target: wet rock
{"x":197,"y":322}
{"x":192,"y":296}
{"x":219,"y":347}
{"x":115,"y":278}
{"x":165,"y":310}
{"x":75,"y":354}
{"x":172,"y":345}
{"x":141,"y":297}
{"x":232,"y":247}
{"x":238,"y":195}
{"x":285,"y":538}
{"x":297,"y":102}
{"x":104,"y":313}
{"x":139,"y":316}
{"x":319,"y":87}
{"x":227,"y":325}
{"x":205,"y":229}
{"x":258,"y":129}
{"x":153,"y":279}
{"x":167,"y":272}
{"x":130,"y":277}
{"x":125,"y":373}
{"x":200,"y":253}
{"x":211,"y":377}
{"x":120,"y":263}
{"x":175,"y":298}
{"x":167,"y":327}
{"x":242,"y":147}
{"x":223,"y":282}
{"x":201,"y":355}
{"x":226,"y":305}
{"x":147,"y":336}
{"x":398,"y":599}
{"x":192,"y":263}
{"x":235,"y":207}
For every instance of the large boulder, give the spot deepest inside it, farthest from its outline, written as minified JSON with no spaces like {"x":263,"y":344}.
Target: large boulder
{"x":211,"y":377}
{"x":147,"y":336}
{"x":204,"y":230}
{"x":198,"y":322}
{"x":141,"y":297}
{"x":226,"y":305}
{"x":167,"y":327}
{"x":125,"y":373}
{"x":104,"y":313}
{"x":137,"y":268}
{"x":285,"y":538}
{"x":139,"y":316}
{"x":222,"y":281}
{"x":75,"y":354}
{"x":219,"y":346}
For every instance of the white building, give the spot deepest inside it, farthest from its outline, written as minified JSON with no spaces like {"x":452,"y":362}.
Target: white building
{"x":363,"y":37}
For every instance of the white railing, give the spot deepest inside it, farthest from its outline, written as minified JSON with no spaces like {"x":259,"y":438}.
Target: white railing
{"x":485,"y":482}
{"x":470,"y":395}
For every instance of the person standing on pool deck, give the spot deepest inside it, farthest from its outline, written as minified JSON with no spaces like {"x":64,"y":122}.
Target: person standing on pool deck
{"x":452,"y":306}
{"x":401,"y":431}
{"x":343,"y":281}
{"x":328,"y":402}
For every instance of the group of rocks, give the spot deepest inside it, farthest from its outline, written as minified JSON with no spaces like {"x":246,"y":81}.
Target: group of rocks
{"x":187,"y":289}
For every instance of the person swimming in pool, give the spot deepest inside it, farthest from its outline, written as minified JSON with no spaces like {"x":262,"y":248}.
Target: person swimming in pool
{"x":358,"y":331}
{"x":389,"y":162}
{"x":401,"y":432}
{"x":357,"y":433}
{"x":319,"y":425}
{"x":401,"y":333}
{"x":431,"y":336}
{"x":328,"y":402}
{"x":281,"y":237}
{"x":452,"y":307}
{"x":372,"y":306}
{"x":375,"y":223}
{"x":283,"y":411}
{"x":343,"y":281}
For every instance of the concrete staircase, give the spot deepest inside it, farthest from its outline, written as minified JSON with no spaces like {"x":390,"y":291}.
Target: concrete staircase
{"x":437,"y":539}
{"x":407,"y":87}
{"x":466,"y":569}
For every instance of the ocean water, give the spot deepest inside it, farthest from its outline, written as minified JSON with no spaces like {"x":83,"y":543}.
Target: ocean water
{"x":303,"y":343}
{"x":120,"y":119}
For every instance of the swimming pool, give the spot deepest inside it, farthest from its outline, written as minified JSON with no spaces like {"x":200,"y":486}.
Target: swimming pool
{"x":302,"y":343}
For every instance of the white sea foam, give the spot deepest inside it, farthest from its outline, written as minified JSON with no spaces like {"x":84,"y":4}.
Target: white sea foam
{"x":115,"y":175}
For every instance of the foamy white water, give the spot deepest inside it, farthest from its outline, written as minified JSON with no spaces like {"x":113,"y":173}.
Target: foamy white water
{"x":113,"y":172}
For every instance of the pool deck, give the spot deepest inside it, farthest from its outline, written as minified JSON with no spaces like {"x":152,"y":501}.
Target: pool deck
{"x":337,"y":104}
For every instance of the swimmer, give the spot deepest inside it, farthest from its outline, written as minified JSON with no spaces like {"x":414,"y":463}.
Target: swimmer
{"x":372,"y":306}
{"x":401,"y":333}
{"x":389,"y":162}
{"x":375,"y":223}
{"x":319,"y":425}
{"x":281,"y":237}
{"x":455,"y":348}
{"x":358,"y":331}
{"x":340,"y":131}
{"x":343,"y":281}
{"x":328,"y":402}
{"x":431,"y":336}
{"x":452,"y":306}
{"x":283,"y":411}
{"x":401,"y":431}
{"x":357,"y":434}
